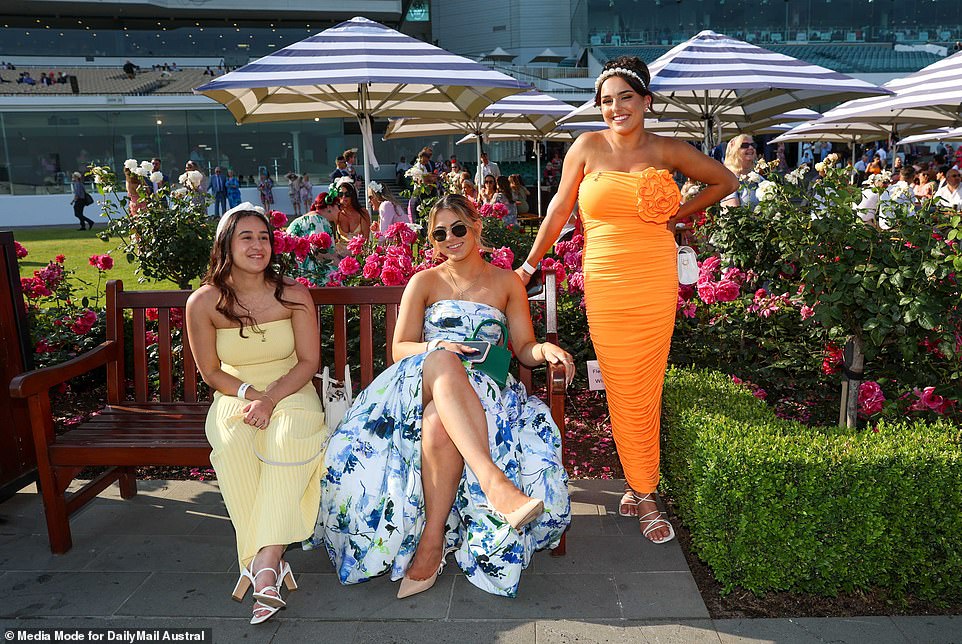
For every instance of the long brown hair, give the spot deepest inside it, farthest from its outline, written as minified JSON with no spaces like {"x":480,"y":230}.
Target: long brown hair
{"x":221,"y":263}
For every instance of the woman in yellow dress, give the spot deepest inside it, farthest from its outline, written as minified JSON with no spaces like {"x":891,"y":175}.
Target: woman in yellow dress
{"x":254,"y":337}
{"x":629,"y":204}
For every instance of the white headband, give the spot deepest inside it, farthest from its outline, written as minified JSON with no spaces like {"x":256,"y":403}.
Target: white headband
{"x":375,"y":187}
{"x":245,"y":207}
{"x":615,"y":71}
{"x":340,"y":181}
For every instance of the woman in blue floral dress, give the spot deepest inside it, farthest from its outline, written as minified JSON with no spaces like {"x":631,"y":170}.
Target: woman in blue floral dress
{"x":436,"y":457}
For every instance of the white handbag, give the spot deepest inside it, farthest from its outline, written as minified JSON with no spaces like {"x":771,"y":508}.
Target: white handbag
{"x":336,"y":396}
{"x":687,"y":265}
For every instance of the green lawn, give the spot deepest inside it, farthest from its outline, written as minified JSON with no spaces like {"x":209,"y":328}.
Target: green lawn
{"x":47,"y":242}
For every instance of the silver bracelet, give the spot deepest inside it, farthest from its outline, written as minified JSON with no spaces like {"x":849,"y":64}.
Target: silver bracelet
{"x":242,"y":390}
{"x":528,"y":268}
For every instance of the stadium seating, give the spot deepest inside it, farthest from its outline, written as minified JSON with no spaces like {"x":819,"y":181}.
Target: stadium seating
{"x":100,"y":81}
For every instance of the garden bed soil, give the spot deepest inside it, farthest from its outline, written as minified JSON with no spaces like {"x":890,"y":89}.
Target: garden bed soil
{"x":590,"y":454}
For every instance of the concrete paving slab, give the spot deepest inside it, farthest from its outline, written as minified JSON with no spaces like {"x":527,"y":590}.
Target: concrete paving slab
{"x":931,"y":629}
{"x":610,"y":554}
{"x":57,"y":594}
{"x":660,"y":595}
{"x":323,"y":597}
{"x":845,"y":630}
{"x":589,"y":526}
{"x":475,"y":632}
{"x":582,"y":596}
{"x":214,"y":521}
{"x":626,"y":632}
{"x":308,"y":561}
{"x":31,"y":552}
{"x":178,"y":594}
{"x":159,"y":517}
{"x":199,"y":492}
{"x":149,"y":553}
{"x":223,"y":631}
{"x":301,"y":631}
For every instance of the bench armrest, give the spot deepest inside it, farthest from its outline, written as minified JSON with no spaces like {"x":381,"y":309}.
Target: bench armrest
{"x":40,"y":380}
{"x":557,"y":388}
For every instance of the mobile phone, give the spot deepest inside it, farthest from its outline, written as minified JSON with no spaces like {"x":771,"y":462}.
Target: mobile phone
{"x":480,"y":355}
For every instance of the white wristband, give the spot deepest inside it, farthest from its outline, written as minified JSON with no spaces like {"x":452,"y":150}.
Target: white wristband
{"x":528,"y":268}
{"x":242,"y":390}
{"x":432,"y":345}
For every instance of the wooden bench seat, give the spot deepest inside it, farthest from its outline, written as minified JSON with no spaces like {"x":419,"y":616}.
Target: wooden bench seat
{"x":158,"y":419}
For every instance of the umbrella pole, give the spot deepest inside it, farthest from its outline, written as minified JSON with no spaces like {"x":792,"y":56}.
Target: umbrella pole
{"x":479,"y":177}
{"x":537,"y":162}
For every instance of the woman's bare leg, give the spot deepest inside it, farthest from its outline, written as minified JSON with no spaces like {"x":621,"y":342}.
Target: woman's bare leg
{"x":441,"y":470}
{"x":446,"y":384}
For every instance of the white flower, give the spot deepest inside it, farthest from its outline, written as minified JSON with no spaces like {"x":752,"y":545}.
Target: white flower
{"x":831,"y":159}
{"x":754,"y":177}
{"x":820,"y":166}
{"x":375,"y":186}
{"x":340,"y":181}
{"x":156,"y":177}
{"x":795,"y":176}
{"x":141,"y":172}
{"x":131,"y":164}
{"x":147,"y":165}
{"x":191,"y":179}
{"x":108,"y":188}
{"x":765,"y":191}
{"x":414,"y":172}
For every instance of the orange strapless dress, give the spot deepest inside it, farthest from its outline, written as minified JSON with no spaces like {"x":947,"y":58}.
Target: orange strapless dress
{"x":631,"y":293}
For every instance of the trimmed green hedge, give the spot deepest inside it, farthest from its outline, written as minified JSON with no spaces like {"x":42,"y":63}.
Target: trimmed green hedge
{"x":775,"y":505}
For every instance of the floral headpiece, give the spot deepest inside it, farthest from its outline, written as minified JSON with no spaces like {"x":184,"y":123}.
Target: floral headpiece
{"x":375,"y":187}
{"x":617,"y":71}
{"x":340,"y":181}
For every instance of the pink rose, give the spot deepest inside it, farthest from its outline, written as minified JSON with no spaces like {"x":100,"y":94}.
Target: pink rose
{"x":391,"y":276}
{"x":356,"y":245}
{"x":348,"y":266}
{"x":708,"y":268}
{"x":929,"y":400}
{"x":576,"y":282}
{"x":503,"y":258}
{"x":727,"y":291}
{"x":301,"y":248}
{"x":320,"y":240}
{"x":278,"y":219}
{"x":372,"y":267}
{"x":870,"y":398}
{"x":151,"y":337}
{"x":21,"y":251}
{"x":706,"y":291}
{"x":806,"y":312}
{"x":303,"y":281}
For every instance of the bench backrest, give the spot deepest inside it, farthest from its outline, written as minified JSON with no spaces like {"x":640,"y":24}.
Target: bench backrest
{"x":356,"y":326}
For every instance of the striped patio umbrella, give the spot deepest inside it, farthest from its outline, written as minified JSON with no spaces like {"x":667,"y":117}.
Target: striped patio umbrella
{"x":942,"y":134}
{"x":714,"y":79}
{"x":930,"y":97}
{"x":359,"y":69}
{"x":530,"y":115}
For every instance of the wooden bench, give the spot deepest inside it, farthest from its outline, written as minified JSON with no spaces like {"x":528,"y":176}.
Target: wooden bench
{"x":160,"y":421}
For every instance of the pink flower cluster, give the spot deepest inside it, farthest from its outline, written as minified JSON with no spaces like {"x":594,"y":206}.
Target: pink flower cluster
{"x":45,"y":281}
{"x":870,"y":398}
{"x":832,"y":361}
{"x":571,"y":253}
{"x":102,"y":262}
{"x":300,"y":246}
{"x":764,"y":304}
{"x":176,"y":317}
{"x":278,"y":219}
{"x":20,"y":250}
{"x":928,"y":400}
{"x":757,"y":391}
{"x":725,"y":289}
{"x":687,"y":305}
{"x":401,"y":233}
{"x":497,"y":210}
{"x":503,"y":258}
{"x":83,"y":324}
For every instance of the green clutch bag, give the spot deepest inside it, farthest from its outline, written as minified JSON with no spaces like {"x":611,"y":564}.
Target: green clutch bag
{"x":498,"y":361}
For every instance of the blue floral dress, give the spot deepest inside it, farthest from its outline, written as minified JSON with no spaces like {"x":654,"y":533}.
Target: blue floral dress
{"x":372,"y":504}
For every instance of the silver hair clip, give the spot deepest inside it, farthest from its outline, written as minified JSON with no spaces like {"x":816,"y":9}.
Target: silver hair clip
{"x":614,"y":71}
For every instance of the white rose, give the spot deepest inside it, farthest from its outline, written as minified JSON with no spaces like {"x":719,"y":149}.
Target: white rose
{"x":131,"y":164}
{"x":754,"y":177}
{"x":147,"y":165}
{"x":156,"y":177}
{"x":820,"y":166}
{"x":765,"y":191}
{"x":141,"y":172}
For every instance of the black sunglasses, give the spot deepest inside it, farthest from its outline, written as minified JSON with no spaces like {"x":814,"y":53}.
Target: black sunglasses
{"x":440,"y":234}
{"x":747,"y":144}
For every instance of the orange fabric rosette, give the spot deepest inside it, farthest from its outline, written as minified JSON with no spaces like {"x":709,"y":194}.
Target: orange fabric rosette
{"x":658,"y":196}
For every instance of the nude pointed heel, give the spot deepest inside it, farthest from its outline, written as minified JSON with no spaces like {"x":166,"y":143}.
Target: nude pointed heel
{"x":524,"y":515}
{"x":413,"y":587}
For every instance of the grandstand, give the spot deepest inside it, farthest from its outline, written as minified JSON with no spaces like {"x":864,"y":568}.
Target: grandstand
{"x":860,"y":58}
{"x":100,"y":81}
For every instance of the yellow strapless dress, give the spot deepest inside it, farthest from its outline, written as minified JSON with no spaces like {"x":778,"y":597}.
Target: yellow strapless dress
{"x":270,"y":478}
{"x":631,"y":293}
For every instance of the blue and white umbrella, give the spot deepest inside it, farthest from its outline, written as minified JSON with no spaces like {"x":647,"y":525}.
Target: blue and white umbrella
{"x":359,"y":69}
{"x":930,"y":97}
{"x":720,"y":81}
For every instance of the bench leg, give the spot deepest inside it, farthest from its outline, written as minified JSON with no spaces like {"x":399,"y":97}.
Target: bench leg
{"x":55,"y":510}
{"x":559,"y":550}
{"x":128,"y":483}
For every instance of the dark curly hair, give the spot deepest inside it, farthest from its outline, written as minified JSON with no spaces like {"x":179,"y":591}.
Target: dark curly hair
{"x":632,"y":63}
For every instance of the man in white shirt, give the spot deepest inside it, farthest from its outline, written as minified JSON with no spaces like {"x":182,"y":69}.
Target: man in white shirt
{"x":862,"y":163}
{"x":882,"y":155}
{"x":950,"y":194}
{"x":869,"y":209}
{"x":486,"y":168}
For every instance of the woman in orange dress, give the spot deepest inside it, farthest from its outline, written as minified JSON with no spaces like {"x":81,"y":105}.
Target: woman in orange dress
{"x":629,"y":204}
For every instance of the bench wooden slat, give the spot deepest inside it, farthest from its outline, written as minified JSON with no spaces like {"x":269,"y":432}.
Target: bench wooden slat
{"x":140,"y":356}
{"x":340,"y":341}
{"x":190,"y":367}
{"x":390,"y":322}
{"x":165,"y":356}
{"x":367,"y":348}
{"x":114,"y":323}
{"x":123,"y":454}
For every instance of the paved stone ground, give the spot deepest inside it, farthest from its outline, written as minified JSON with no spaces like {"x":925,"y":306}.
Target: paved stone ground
{"x":166,"y":559}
